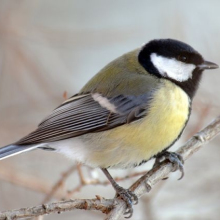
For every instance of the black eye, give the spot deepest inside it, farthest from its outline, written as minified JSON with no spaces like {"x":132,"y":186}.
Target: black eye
{"x":183,"y":58}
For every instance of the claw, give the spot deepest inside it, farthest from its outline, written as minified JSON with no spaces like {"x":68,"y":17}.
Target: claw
{"x":174,"y":158}
{"x":129,"y":212}
{"x":129,"y":197}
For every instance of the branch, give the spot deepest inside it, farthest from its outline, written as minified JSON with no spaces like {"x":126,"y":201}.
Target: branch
{"x":114,"y":208}
{"x":59,"y":184}
{"x":96,"y":182}
{"x":11,"y":175}
{"x":103,"y":205}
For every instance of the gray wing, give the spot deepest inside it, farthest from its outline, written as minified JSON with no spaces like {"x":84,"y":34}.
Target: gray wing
{"x":83,"y":114}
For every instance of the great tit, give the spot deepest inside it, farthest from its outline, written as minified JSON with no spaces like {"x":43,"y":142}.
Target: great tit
{"x":132,"y":110}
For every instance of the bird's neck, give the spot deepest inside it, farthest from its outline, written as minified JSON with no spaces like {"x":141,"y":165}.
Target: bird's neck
{"x":191,"y":85}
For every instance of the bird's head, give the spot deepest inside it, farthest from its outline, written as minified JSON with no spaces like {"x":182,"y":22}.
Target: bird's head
{"x":175,"y":61}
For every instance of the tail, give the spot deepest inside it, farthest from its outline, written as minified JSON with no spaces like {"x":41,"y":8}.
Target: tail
{"x":12,"y":150}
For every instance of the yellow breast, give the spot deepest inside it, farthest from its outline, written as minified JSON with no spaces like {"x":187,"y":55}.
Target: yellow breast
{"x":132,"y":143}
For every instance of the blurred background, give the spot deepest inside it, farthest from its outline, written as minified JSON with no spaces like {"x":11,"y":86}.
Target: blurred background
{"x":48,"y":51}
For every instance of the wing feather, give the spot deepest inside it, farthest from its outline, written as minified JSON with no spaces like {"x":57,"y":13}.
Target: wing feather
{"x":83,"y":114}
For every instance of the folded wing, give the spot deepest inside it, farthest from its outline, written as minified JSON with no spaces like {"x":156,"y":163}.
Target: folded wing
{"x":87,"y":113}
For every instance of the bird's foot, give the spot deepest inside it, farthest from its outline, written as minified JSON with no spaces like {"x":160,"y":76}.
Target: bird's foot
{"x":174,"y":158}
{"x":129,"y":197}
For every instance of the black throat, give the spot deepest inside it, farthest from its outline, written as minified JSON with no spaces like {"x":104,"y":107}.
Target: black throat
{"x":191,"y":85}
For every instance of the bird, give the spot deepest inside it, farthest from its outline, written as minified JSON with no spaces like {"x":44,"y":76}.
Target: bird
{"x":134,"y":109}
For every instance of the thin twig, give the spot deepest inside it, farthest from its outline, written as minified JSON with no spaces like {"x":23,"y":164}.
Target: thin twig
{"x":202,"y":115}
{"x":103,"y":205}
{"x":18,"y":178}
{"x":85,"y":182}
{"x":59,"y":183}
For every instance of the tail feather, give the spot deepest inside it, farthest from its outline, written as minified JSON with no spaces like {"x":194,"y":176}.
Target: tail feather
{"x":12,"y":150}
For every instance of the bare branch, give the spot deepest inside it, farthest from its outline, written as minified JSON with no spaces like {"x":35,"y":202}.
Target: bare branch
{"x":96,"y":182}
{"x":59,"y":183}
{"x":103,"y":205}
{"x":11,"y":175}
{"x":114,"y":208}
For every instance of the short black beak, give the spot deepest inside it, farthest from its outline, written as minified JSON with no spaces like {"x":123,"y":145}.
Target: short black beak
{"x":207,"y":65}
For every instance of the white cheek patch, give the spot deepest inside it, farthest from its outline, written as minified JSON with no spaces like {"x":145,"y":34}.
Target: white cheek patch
{"x":172,"y":68}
